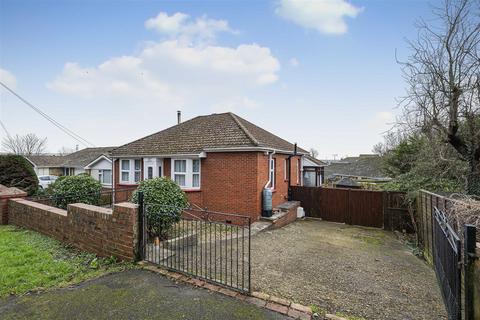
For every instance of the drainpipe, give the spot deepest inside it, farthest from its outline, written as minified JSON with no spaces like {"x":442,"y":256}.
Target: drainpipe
{"x":113,"y":181}
{"x":270,"y":155}
{"x":290,"y":171}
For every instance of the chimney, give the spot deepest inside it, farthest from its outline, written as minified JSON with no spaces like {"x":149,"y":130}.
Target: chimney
{"x":179,"y":117}
{"x":76,"y":147}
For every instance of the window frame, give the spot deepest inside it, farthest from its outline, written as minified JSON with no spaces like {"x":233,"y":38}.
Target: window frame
{"x":101,"y":176}
{"x":132,"y":171}
{"x":188,"y":174}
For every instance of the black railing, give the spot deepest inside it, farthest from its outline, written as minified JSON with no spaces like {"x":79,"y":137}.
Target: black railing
{"x":447,"y":255}
{"x":209,"y":245}
{"x":104,"y":198}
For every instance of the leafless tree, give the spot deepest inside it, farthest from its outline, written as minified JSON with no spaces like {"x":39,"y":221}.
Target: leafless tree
{"x":443,"y":76}
{"x":29,"y":144}
{"x":313,"y":152}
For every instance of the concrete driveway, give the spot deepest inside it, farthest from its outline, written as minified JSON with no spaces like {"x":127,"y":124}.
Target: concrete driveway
{"x":361,"y":272}
{"x":134,"y":294}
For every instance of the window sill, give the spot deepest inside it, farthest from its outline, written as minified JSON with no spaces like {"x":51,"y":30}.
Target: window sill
{"x":127,"y":184}
{"x":191,"y":190}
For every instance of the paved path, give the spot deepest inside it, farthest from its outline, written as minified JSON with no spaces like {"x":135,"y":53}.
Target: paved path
{"x":134,"y":294}
{"x":362,"y":272}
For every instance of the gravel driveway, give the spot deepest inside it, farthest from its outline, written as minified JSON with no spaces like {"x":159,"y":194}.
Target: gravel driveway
{"x":356,"y":271}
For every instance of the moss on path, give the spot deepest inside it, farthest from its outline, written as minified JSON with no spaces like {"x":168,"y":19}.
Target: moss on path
{"x":133,"y":294}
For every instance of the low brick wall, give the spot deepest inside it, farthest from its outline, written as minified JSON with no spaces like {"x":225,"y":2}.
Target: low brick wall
{"x":290,"y":208}
{"x":6,"y":194}
{"x":102,"y":231}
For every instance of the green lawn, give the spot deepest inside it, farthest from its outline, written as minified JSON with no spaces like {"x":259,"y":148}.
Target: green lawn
{"x":32,"y":261}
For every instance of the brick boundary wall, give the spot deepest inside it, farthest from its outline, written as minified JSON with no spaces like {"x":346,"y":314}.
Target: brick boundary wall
{"x":6,"y":194}
{"x":98,"y":230}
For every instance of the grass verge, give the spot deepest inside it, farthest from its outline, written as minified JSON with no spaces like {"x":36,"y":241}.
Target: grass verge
{"x":31,"y":261}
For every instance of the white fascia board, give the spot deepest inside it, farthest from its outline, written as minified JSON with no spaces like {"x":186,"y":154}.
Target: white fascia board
{"x":96,"y":160}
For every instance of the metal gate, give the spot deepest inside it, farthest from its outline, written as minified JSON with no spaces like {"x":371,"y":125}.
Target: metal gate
{"x":208,"y":245}
{"x":447,"y":259}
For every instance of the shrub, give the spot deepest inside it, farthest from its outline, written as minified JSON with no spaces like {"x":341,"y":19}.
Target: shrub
{"x":164,"y":203}
{"x":16,"y":171}
{"x":71,"y":189}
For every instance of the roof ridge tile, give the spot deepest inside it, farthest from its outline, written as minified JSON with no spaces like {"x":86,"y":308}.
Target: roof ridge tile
{"x":244,"y":129}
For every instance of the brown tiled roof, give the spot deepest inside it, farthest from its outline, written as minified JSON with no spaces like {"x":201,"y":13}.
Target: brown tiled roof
{"x":83,"y":157}
{"x":216,"y":131}
{"x":46,"y":160}
{"x":76,"y":159}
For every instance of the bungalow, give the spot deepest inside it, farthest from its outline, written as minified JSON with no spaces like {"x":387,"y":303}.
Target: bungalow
{"x":92,"y":161}
{"x":222,"y":162}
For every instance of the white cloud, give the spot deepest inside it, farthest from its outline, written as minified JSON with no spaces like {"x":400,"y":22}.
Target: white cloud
{"x":172,"y":72}
{"x":325,"y":16}
{"x":180,"y":25}
{"x":8,"y":78}
{"x":294,"y":62}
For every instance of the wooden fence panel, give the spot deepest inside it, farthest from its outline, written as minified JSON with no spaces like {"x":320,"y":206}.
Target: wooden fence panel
{"x":358,"y":207}
{"x":365,"y":208}
{"x":310,"y":198}
{"x":334,"y":204}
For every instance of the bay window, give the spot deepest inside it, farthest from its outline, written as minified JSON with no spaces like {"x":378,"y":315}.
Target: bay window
{"x":186,"y":173}
{"x":130,"y":170}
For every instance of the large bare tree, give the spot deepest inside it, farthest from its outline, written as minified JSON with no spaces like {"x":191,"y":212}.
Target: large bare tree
{"x":29,"y":144}
{"x":443,"y":76}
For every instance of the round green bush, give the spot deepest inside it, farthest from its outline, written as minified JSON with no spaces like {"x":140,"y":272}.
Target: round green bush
{"x":72,"y":189}
{"x":164,"y":202}
{"x":16,"y":171}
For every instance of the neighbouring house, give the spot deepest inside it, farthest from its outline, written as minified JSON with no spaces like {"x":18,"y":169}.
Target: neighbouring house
{"x":364,"y":168}
{"x":92,"y":161}
{"x":313,"y":171}
{"x":222,"y":161}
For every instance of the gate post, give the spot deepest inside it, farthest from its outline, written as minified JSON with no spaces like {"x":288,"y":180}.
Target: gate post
{"x":141,"y":232}
{"x":469,"y":260}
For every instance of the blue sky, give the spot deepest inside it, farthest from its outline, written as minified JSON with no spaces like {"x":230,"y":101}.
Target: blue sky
{"x":321,"y":74}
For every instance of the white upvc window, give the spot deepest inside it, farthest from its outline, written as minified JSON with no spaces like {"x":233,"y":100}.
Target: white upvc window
{"x":105,"y":176}
{"x":186,"y":173}
{"x":130,"y":170}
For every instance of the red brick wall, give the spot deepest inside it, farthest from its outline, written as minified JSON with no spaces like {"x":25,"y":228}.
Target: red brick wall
{"x":232,"y":182}
{"x":102,"y":231}
{"x":280,"y":193}
{"x":5,"y":195}
{"x":228,"y":183}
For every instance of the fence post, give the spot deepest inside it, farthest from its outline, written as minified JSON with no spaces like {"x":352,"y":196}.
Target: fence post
{"x":469,"y":259}
{"x":140,"y":249}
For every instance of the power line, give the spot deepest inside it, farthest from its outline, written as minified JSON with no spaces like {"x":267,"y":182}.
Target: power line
{"x":5,"y":129}
{"x":69,"y":132}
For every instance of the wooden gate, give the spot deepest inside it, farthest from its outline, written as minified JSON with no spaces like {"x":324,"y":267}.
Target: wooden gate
{"x":355,"y":207}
